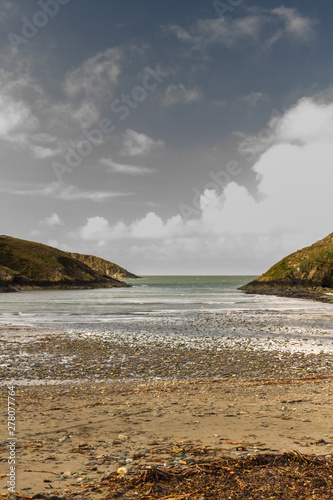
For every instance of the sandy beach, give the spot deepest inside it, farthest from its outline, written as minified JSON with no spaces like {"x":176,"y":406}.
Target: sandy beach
{"x":79,"y":418}
{"x":70,"y":437}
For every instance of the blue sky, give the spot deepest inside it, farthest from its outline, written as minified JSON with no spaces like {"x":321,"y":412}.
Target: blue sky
{"x":185,"y":137}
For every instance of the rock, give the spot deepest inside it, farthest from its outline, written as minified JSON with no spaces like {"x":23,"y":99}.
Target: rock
{"x":123,"y":437}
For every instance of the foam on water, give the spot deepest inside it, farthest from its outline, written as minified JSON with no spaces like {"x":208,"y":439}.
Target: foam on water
{"x":157,"y":307}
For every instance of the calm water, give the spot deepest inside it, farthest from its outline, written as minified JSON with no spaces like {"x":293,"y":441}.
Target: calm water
{"x":149,"y":297}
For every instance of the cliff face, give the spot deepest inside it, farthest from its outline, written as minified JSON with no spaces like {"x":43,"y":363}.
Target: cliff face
{"x":307,"y":273}
{"x":103,"y":266}
{"x":25,"y":265}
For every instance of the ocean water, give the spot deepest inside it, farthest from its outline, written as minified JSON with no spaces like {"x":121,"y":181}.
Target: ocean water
{"x":177,"y":312}
{"x":149,"y":298}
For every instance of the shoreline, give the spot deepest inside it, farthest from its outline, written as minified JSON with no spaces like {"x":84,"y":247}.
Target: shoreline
{"x":243,"y":345}
{"x":317,"y":294}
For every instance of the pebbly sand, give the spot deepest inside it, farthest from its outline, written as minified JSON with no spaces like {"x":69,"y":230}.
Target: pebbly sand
{"x":90,"y":403}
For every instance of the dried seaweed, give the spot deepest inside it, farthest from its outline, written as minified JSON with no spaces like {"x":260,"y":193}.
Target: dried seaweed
{"x":262,"y":477}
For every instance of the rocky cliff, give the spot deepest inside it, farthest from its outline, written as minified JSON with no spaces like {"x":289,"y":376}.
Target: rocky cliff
{"x":307,"y":273}
{"x":103,"y":266}
{"x":25,"y":265}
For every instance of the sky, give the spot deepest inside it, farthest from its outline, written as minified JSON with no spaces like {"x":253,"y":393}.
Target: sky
{"x":170,"y":137}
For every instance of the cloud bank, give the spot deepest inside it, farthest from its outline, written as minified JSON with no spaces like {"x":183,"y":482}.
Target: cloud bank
{"x":295,"y":209}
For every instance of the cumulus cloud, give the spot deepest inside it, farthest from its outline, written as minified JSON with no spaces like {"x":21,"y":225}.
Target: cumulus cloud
{"x":53,"y":220}
{"x":136,"y":144}
{"x":121,"y":168}
{"x":96,"y":228}
{"x":178,"y":94}
{"x":296,"y":183}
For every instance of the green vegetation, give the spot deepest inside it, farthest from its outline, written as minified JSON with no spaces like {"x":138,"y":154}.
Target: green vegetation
{"x":306,"y":273}
{"x":103,"y":266}
{"x":29,"y":265}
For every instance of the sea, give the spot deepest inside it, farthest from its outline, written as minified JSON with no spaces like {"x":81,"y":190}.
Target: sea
{"x":148,"y":298}
{"x":195,"y":312}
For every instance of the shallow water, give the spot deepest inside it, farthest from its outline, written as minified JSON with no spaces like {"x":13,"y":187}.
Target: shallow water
{"x":195,"y":317}
{"x":148,"y":298}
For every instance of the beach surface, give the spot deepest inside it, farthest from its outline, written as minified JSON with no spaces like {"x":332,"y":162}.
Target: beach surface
{"x":70,"y":437}
{"x":88,"y":403}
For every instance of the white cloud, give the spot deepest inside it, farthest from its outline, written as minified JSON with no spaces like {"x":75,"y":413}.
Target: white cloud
{"x":136,"y":144}
{"x":96,"y":228}
{"x":43,"y":138}
{"x":309,"y":122}
{"x":7,"y":9}
{"x":230,"y":31}
{"x":16,"y":119}
{"x":96,"y":76}
{"x":299,"y":27}
{"x":176,"y":94}
{"x":53,"y":220}
{"x":121,"y":168}
{"x":85,"y":115}
{"x":254,"y":99}
{"x":296,"y":182}
{"x":40,"y":153}
{"x":61,"y":192}
{"x":19,"y":123}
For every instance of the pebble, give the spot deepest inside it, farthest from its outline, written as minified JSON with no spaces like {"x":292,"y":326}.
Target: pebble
{"x":203,"y":346}
{"x":122,"y":471}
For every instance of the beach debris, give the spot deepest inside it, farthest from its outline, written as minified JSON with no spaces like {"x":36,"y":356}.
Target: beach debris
{"x":42,"y":471}
{"x":122,"y":471}
{"x":269,"y":476}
